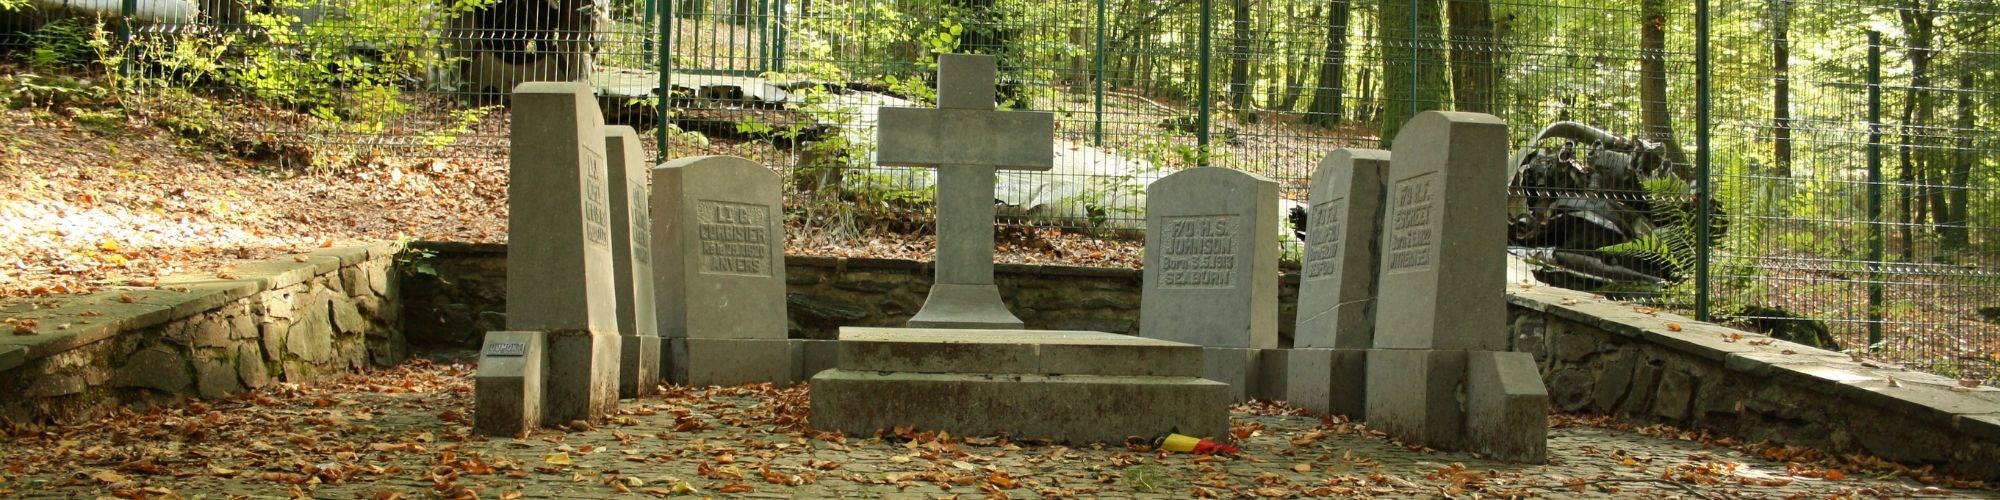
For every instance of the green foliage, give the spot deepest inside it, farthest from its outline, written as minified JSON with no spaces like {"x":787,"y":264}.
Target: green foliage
{"x":1672,"y":243}
{"x":61,"y":44}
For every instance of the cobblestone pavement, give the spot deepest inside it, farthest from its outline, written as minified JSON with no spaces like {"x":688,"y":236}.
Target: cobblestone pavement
{"x":402,"y":433}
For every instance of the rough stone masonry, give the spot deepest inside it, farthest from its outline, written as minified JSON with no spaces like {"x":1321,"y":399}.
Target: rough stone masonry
{"x":1437,"y":373}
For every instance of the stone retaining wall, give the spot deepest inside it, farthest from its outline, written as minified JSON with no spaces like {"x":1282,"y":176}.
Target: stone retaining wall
{"x":1596,"y":356}
{"x":298,"y":319}
{"x":1600,"y":356}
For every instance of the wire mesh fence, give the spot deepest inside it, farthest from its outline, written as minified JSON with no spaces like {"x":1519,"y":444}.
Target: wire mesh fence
{"x":1747,"y":142}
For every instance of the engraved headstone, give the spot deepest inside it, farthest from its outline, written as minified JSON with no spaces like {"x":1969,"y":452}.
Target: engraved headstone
{"x":632,"y":256}
{"x":1433,"y":374}
{"x":718,"y":233}
{"x":966,"y":140}
{"x":1327,"y":367}
{"x":507,"y":391}
{"x":559,"y":269}
{"x":1211,"y":275}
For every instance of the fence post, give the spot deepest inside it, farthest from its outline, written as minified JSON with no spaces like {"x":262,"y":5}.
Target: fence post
{"x":1201,"y":88}
{"x":778,"y":37}
{"x":665,"y":93}
{"x":1097,"y":129}
{"x":126,"y":10}
{"x":1705,"y":190}
{"x":1874,"y":189}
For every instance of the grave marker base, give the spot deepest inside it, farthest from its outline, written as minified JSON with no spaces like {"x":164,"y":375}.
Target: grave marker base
{"x":1331,"y":381}
{"x":507,"y":391}
{"x":965,"y":306}
{"x":580,"y":376}
{"x":705,"y":362}
{"x":638,"y":366}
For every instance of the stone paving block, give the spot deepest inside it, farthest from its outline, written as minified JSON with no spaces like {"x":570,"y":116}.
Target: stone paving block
{"x":1507,"y":407}
{"x":1073,"y":408}
{"x":1236,"y":366}
{"x":1049,"y":352}
{"x":705,"y":362}
{"x":507,"y":390}
{"x":1414,"y":394}
{"x":1330,"y":381}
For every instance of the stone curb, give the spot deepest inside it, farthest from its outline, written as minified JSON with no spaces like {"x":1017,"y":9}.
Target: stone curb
{"x":103,"y":315}
{"x":1929,"y":398}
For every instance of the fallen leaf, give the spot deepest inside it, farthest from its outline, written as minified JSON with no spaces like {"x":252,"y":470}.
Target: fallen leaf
{"x":1302,"y":468}
{"x":109,"y":477}
{"x":1672,"y":326}
{"x":558,"y":458}
{"x":736,"y":488}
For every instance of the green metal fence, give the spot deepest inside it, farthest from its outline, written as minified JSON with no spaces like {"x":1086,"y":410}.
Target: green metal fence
{"x":1821,"y":169}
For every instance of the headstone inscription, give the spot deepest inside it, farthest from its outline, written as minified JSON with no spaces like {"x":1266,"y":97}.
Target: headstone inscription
{"x":632,"y":259}
{"x":1336,"y":324}
{"x":559,"y":269}
{"x":1440,"y":315}
{"x":1211,"y":276}
{"x":718,"y":230}
{"x":966,"y":140}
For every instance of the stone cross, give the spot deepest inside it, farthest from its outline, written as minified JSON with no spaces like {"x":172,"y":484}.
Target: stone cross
{"x":966,"y":140}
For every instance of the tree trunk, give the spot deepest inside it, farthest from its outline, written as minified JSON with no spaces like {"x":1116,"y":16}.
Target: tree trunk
{"x":1918,"y":23}
{"x":1959,"y":214}
{"x":1413,"y":75}
{"x":1239,"y":59}
{"x":1781,"y":88}
{"x":1657,"y":122}
{"x":1473,"y":46}
{"x":1326,"y":107}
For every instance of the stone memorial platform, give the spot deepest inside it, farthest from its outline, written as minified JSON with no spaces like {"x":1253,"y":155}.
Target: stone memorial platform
{"x":1072,"y":386}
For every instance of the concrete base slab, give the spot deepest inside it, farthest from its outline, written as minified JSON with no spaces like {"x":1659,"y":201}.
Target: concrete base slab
{"x":809,"y":357}
{"x":1236,"y":366}
{"x":580,"y":379}
{"x":1416,"y":394}
{"x":1073,"y":408}
{"x":1273,"y":374}
{"x":1044,"y":352}
{"x":704,"y":362}
{"x":1507,"y":407}
{"x":965,"y":306}
{"x":1330,"y":381}
{"x":638,"y":366}
{"x":507,"y":391}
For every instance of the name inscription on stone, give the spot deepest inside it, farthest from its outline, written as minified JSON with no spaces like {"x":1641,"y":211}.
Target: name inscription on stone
{"x":1411,"y":233}
{"x":504,"y":350}
{"x":1200,"y":252}
{"x":735,"y":238}
{"x":596,"y":212}
{"x":642,"y":224}
{"x":1323,"y":238}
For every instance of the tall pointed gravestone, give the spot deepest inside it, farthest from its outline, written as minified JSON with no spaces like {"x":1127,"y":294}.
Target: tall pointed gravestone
{"x":971,"y":370}
{"x":966,"y":140}
{"x":632,"y":259}
{"x":1327,"y":368}
{"x":720,"y":279}
{"x":559,"y":258}
{"x":1211,"y":276}
{"x":1437,"y":373}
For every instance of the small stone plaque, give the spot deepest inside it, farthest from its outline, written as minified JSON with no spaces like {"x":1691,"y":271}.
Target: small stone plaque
{"x":507,"y":350}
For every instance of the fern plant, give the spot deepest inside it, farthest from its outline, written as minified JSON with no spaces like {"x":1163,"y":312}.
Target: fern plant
{"x":1672,"y":243}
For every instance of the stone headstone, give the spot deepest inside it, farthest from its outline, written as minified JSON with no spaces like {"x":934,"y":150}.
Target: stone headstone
{"x":507,"y":391}
{"x":1337,"y":282}
{"x":1434,"y":375}
{"x":966,"y":140}
{"x":559,"y":258}
{"x":1327,"y":368}
{"x":718,"y":233}
{"x":1211,"y":276}
{"x":632,"y":259}
{"x":1444,"y":239}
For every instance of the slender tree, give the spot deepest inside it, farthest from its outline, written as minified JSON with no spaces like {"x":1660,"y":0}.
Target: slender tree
{"x":1958,"y":211}
{"x":1239,"y":60}
{"x":1326,"y":109}
{"x":1781,"y":88}
{"x":1919,"y":23}
{"x":1413,"y":73}
{"x":1653,"y":112}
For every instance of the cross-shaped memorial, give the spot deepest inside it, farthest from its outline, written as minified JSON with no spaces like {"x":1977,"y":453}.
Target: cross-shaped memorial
{"x":966,"y":140}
